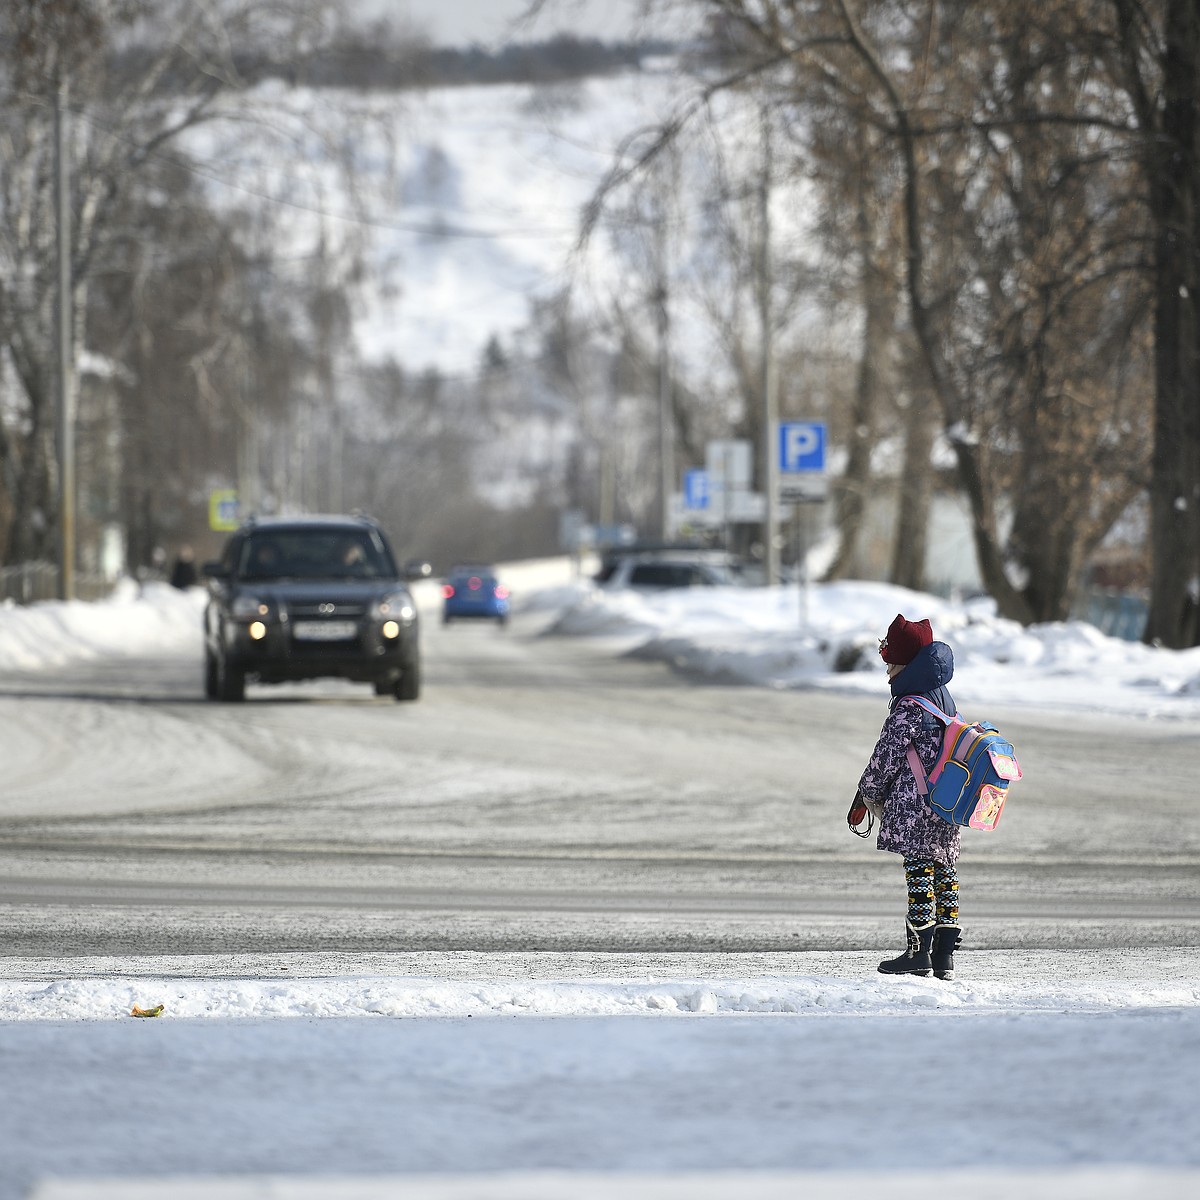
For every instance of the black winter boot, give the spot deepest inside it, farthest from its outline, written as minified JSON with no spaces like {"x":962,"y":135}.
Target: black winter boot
{"x":915,"y":959}
{"x":946,"y":939}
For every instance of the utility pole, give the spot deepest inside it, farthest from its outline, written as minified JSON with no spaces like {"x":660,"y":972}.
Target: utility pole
{"x":323,"y":316}
{"x":666,"y":469}
{"x":608,"y":473}
{"x":247,"y":452}
{"x":770,"y":475}
{"x":666,"y":458}
{"x":65,"y":397}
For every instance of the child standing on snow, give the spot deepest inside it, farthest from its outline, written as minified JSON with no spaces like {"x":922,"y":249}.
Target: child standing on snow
{"x":916,"y":666}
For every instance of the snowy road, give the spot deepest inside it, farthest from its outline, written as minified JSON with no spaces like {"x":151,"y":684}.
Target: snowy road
{"x":543,"y":794}
{"x":571,"y":927}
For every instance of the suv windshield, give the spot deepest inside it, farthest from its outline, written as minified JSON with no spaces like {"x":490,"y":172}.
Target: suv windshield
{"x":314,"y":554}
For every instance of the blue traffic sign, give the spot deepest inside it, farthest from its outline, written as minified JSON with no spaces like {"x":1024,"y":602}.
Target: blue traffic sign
{"x":695,"y":488}
{"x":801,"y":446}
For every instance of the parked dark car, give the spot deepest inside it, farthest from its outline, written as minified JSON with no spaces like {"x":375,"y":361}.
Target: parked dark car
{"x":474,"y":591}
{"x":309,"y":597}
{"x":659,"y":565}
{"x":668,"y":569}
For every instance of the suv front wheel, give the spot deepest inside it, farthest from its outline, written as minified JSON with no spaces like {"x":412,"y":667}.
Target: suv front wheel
{"x":408,"y":686}
{"x":231,"y":683}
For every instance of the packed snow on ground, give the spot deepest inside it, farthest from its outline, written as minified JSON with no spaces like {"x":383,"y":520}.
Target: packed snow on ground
{"x":1066,"y":1074}
{"x":349,"y":996}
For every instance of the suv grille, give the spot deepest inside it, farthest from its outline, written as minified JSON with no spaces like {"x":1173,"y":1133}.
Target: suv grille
{"x":311,"y":611}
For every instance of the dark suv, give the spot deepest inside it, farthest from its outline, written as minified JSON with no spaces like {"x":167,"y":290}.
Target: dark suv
{"x":306,"y":597}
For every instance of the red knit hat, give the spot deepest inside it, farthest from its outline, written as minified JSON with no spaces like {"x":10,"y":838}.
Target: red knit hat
{"x":904,"y":639}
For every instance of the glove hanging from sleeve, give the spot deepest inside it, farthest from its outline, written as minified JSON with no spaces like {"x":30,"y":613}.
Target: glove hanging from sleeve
{"x":863,"y":810}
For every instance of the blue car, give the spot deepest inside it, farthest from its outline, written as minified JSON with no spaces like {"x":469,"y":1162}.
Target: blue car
{"x":474,"y":592}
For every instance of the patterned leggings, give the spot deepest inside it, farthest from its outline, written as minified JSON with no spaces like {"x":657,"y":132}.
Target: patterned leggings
{"x":932,"y":891}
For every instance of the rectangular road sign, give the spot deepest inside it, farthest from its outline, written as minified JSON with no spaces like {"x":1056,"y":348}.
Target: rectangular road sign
{"x":730,"y":465}
{"x":803,"y":489}
{"x":801,"y":447}
{"x":695,"y":488}
{"x":223,"y":510}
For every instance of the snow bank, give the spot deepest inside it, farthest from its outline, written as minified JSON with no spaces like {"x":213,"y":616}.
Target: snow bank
{"x":827,"y":638}
{"x":136,"y":620}
{"x":113,"y":998}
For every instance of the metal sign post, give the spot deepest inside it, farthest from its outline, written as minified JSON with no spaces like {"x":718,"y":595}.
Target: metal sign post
{"x":802,"y":480}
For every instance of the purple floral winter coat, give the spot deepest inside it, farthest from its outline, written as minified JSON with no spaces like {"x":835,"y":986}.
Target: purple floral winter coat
{"x":909,"y":826}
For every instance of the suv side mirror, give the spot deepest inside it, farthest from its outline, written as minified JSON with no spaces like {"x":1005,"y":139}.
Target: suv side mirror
{"x":416,"y":568}
{"x":214,"y":570}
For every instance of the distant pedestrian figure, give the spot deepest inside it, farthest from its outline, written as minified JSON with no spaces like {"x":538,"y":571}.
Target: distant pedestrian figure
{"x":183,"y":573}
{"x":916,"y":666}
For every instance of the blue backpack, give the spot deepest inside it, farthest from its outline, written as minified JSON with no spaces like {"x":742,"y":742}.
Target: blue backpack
{"x":969,"y":783}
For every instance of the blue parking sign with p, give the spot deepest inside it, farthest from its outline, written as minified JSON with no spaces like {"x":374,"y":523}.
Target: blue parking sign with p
{"x":801,"y":446}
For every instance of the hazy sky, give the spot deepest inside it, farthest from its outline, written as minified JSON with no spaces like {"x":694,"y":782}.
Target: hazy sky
{"x":456,"y":22}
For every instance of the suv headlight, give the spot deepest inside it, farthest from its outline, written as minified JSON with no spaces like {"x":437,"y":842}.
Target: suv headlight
{"x":248,"y":608}
{"x":397,"y":606}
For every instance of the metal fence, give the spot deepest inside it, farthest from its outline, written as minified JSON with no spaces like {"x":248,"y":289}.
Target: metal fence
{"x":27,"y":583}
{"x":1119,"y":614}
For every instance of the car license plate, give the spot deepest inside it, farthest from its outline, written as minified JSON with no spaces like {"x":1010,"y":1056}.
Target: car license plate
{"x":324,"y":631}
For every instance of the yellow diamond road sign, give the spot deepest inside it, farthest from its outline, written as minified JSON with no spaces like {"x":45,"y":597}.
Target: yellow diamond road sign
{"x":223,"y":510}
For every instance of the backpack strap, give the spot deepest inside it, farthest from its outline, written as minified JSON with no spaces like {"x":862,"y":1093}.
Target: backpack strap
{"x":918,"y":769}
{"x":930,"y":707}
{"x":914,"y":759}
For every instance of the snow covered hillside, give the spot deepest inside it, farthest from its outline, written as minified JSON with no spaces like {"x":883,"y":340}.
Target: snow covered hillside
{"x":466,"y":203}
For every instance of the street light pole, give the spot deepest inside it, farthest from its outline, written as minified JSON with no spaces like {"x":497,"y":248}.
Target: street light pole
{"x":666,"y":457}
{"x":767,"y":366}
{"x":65,"y":408}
